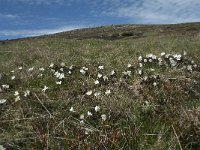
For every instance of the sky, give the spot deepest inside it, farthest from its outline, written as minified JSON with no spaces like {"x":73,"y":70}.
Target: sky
{"x":25,"y":18}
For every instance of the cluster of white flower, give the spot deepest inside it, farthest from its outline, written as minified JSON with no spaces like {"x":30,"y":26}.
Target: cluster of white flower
{"x":127,"y":73}
{"x":83,"y":70}
{"x":17,"y":97}
{"x":144,"y":70}
{"x":5,"y":86}
{"x":26,"y":93}
{"x":88,"y":114}
{"x":173,"y":60}
{"x":59,"y":75}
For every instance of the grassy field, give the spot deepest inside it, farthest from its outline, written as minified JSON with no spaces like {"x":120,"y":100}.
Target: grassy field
{"x":114,"y":87}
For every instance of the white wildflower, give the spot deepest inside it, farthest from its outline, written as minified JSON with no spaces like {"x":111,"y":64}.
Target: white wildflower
{"x":20,"y":68}
{"x":96,"y":82}
{"x":41,"y":69}
{"x":155,"y":77}
{"x":189,"y":67}
{"x":149,"y":55}
{"x":61,"y":69}
{"x":151,"y":69}
{"x":82,"y":122}
{"x":97,"y":108}
{"x":127,"y":73}
{"x":177,"y":57}
{"x":17,"y":98}
{"x":16,"y":93}
{"x":71,"y":109}
{"x":150,"y":60}
{"x":172,"y":62}
{"x":5,"y":86}
{"x":112,"y":72}
{"x":140,"y":58}
{"x":59,"y":82}
{"x":26,"y":93}
{"x":140,"y":65}
{"x":129,"y":65}
{"x":145,"y":60}
{"x":62,"y":76}
{"x":69,"y":72}
{"x":145,"y":78}
{"x":51,"y":65}
{"x":12,"y":71}
{"x":162,"y":54}
{"x":62,"y":64}
{"x":140,"y":72}
{"x":82,"y":71}
{"x":154,"y":57}
{"x":59,"y":75}
{"x":13,"y":78}
{"x":45,"y":88}
{"x":107,"y":92}
{"x":96,"y":94}
{"x":89,"y":93}
{"x":71,"y":67}
{"x":154,"y":84}
{"x":31,"y":69}
{"x":82,"y":116}
{"x":40,"y":75}
{"x":84,"y":68}
{"x":99,"y":75}
{"x":167,"y":56}
{"x":101,"y":67}
{"x":105,"y":78}
{"x":103,"y":117}
{"x":2,"y":101}
{"x":89,"y":113}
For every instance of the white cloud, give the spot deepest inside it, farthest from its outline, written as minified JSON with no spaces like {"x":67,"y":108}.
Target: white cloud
{"x":8,"y":16}
{"x":29,"y":33}
{"x":156,"y":11}
{"x":39,"y":2}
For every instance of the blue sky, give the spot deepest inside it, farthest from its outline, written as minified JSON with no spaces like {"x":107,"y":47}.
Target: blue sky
{"x":24,"y":18}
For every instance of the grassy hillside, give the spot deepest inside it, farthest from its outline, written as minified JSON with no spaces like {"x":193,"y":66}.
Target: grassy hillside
{"x":113,"y":87}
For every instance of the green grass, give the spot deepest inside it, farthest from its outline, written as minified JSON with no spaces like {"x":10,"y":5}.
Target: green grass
{"x":139,"y":115}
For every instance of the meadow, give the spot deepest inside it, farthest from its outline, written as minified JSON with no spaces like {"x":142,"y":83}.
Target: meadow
{"x":113,"y":87}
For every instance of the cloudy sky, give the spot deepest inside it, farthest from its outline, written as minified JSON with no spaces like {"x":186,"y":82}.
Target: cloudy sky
{"x":23,"y":18}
